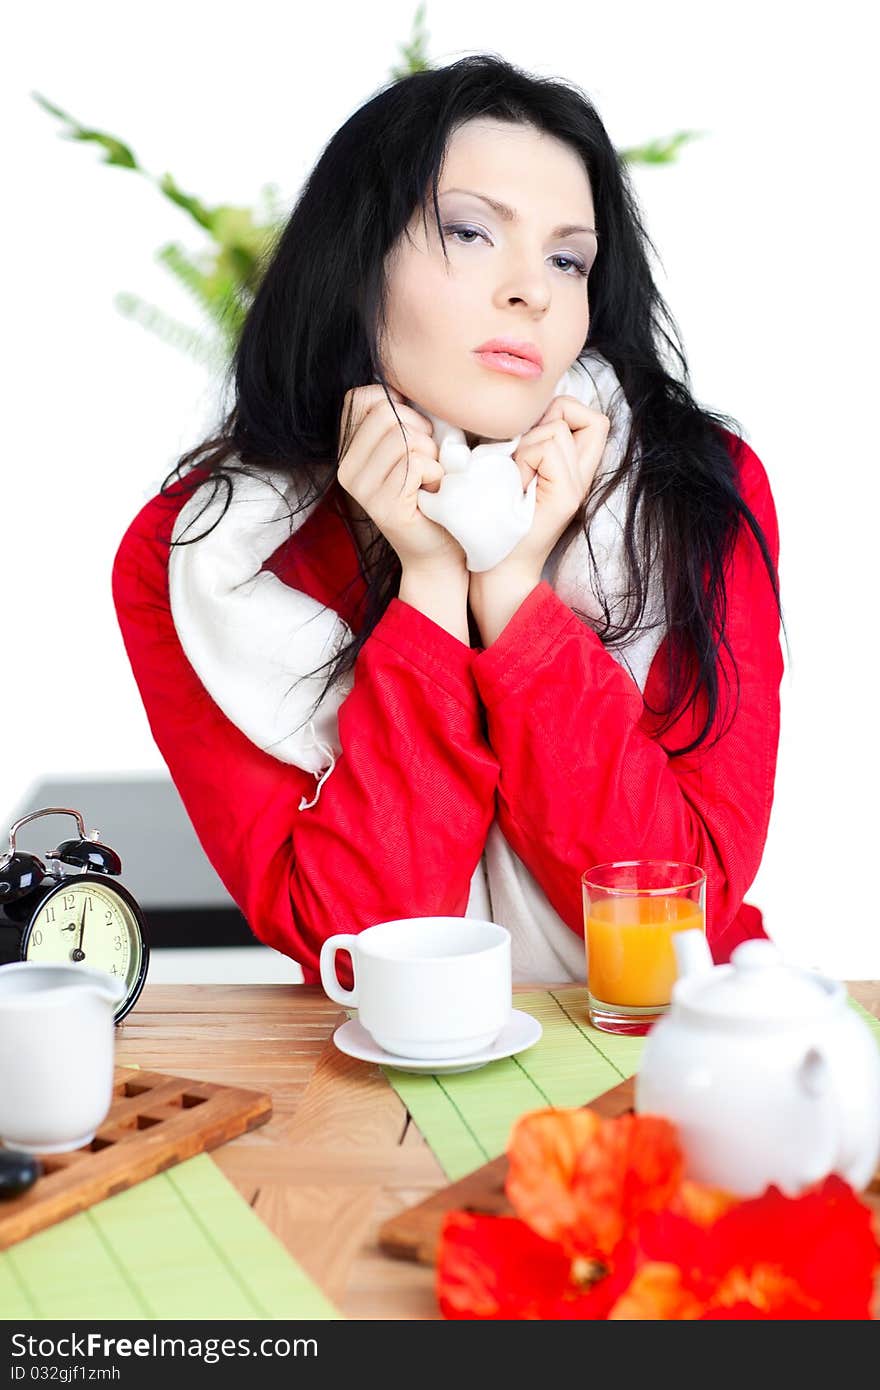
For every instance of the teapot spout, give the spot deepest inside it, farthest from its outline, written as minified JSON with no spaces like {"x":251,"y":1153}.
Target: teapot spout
{"x":692,"y":953}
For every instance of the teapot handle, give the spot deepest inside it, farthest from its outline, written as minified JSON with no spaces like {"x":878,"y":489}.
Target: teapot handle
{"x":813,"y":1076}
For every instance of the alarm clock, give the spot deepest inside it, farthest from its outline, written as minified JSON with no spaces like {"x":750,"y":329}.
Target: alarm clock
{"x":71,"y":910}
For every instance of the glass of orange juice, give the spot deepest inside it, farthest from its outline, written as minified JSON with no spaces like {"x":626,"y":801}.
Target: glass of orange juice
{"x":631,"y":910}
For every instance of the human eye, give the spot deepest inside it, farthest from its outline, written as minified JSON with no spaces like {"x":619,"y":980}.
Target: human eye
{"x":579,"y":266}
{"x":458,"y":229}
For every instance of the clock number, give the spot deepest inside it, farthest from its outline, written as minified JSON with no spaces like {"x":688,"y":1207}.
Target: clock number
{"x":108,"y":917}
{"x":113,"y":970}
{"x":37,"y":937}
{"x":68,"y":906}
{"x":88,"y":904}
{"x":117,"y":942}
{"x":50,"y":915}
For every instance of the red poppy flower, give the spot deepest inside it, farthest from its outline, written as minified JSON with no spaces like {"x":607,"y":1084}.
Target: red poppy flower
{"x":812,"y":1256}
{"x":496,"y":1267}
{"x":581,"y":1180}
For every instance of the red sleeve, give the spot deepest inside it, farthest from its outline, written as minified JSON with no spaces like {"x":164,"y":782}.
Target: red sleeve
{"x":401,"y":821}
{"x":583,"y":781}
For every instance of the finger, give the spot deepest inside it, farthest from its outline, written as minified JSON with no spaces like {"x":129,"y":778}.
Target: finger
{"x":411,"y":419}
{"x":575,"y":414}
{"x":433,"y":474}
{"x":357,"y":402}
{"x":540,"y":433}
{"x":391,"y":455}
{"x":375,"y":425}
{"x":362,"y":401}
{"x":528,"y":460}
{"x":554,"y":459}
{"x":580,"y":449}
{"x":541,"y":437}
{"x":422,"y":463}
{"x":405,"y":479}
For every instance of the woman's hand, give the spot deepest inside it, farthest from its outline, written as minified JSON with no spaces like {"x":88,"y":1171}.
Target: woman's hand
{"x":564,"y":449}
{"x":374,"y":472}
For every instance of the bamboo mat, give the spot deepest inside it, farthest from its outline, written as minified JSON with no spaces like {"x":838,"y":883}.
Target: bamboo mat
{"x":183,"y":1244}
{"x":466,"y":1118}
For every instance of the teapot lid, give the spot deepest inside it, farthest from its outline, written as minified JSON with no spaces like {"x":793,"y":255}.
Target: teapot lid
{"x":758,"y":987}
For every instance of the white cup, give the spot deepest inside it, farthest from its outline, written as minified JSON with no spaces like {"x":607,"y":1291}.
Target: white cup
{"x":426,"y":987}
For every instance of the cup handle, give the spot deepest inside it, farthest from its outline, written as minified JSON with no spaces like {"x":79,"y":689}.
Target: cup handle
{"x":329,"y":978}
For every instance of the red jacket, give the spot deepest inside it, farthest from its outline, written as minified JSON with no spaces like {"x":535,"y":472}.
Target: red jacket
{"x":568,"y":763}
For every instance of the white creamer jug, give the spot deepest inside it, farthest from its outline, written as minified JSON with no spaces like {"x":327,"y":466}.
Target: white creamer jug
{"x":767,"y":1072}
{"x":57,"y":1037}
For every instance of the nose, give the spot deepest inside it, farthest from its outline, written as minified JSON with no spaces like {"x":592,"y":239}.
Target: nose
{"x":525,"y":284}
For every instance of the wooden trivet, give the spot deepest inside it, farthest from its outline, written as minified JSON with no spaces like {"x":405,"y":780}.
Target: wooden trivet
{"x":155,"y":1120}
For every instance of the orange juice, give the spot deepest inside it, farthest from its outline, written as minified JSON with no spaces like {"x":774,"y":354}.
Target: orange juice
{"x":630,"y":959}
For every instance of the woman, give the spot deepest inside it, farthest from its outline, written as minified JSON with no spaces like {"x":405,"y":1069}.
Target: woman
{"x":517,"y":688}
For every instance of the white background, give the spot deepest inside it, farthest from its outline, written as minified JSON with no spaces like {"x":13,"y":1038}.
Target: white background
{"x":768,"y":240}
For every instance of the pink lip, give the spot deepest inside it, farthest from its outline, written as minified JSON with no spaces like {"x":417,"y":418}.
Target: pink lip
{"x":506,"y":362}
{"x":530,"y":351}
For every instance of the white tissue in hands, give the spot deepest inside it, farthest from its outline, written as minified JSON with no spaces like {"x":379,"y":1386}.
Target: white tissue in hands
{"x":481,"y":501}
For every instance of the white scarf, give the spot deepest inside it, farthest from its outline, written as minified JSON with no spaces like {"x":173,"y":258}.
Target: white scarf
{"x":254,"y":641}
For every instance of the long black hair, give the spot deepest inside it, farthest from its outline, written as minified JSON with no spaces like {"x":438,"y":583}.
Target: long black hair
{"x":311,"y":334}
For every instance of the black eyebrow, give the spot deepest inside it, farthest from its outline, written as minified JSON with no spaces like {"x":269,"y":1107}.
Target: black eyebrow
{"x":510,"y":215}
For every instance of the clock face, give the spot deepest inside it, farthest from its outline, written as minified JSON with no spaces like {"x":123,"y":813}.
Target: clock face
{"x":89,"y":923}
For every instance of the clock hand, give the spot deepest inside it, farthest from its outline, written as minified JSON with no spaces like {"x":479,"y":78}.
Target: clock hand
{"x":82,"y":926}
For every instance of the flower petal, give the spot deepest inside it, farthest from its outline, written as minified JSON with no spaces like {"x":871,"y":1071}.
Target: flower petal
{"x":657,"y":1291}
{"x":495,"y":1267}
{"x":543,"y":1156}
{"x":702,"y":1204}
{"x":812,"y":1256}
{"x":818,"y":1250}
{"x":580,"y":1179}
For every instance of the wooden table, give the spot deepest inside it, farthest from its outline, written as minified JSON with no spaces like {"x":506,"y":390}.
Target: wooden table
{"x":339,"y":1155}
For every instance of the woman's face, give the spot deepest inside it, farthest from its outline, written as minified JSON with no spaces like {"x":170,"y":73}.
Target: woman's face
{"x":518,"y":277}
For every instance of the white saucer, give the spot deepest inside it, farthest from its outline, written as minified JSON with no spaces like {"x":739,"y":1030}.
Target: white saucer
{"x":520,"y":1031}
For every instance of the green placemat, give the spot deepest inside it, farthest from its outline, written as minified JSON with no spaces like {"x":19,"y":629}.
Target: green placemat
{"x":183,"y":1244}
{"x":466,"y":1119}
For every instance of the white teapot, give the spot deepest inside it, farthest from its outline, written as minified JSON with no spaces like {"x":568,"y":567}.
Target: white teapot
{"x":766,"y":1071}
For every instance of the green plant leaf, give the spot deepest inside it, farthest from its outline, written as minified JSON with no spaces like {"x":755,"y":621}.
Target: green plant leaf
{"x":114,"y":150}
{"x":663,"y":150}
{"x":215,"y":287}
{"x":207,"y":352}
{"x":414,"y":53}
